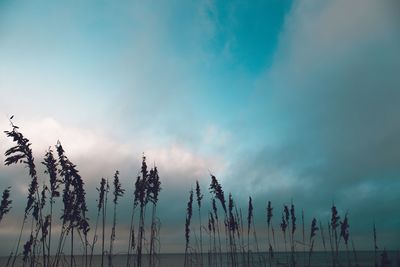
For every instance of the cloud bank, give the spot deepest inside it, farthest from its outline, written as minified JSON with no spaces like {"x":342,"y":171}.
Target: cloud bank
{"x":315,"y":120}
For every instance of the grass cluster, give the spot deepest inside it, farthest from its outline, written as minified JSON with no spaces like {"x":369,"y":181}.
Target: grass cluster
{"x":227,"y":237}
{"x":65,"y":184}
{"x":232,"y":238}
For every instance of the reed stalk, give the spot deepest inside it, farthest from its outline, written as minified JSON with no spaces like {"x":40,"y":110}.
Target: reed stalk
{"x":189,"y":212}
{"x":293,"y":230}
{"x":142,"y":187}
{"x":334,"y":225}
{"x":303,"y":236}
{"x":199,"y":197}
{"x":375,"y":247}
{"x":22,"y":153}
{"x":344,"y":233}
{"x":74,"y":212}
{"x":104,"y":217}
{"x":269,"y":218}
{"x":154,"y":188}
{"x":284,"y":225}
{"x":313,"y":231}
{"x":215,"y":210}
{"x":100,"y":204}
{"x":217,"y":192}
{"x":51,"y":169}
{"x":118,"y":192}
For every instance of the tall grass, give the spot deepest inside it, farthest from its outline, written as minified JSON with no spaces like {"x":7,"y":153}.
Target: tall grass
{"x":74,"y":223}
{"x":238,"y":252}
{"x":270,"y":246}
{"x":51,"y":169}
{"x":199,"y":197}
{"x":189,"y":213}
{"x":313,"y":231}
{"x":154,"y":188}
{"x":22,"y":153}
{"x":74,"y":212}
{"x":66,"y":182}
{"x":335,"y":219}
{"x":100,"y":204}
{"x":141,"y":191}
{"x":118,"y":192}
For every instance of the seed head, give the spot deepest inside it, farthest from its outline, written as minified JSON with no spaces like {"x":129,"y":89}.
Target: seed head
{"x":5,"y":203}
{"x":118,"y":191}
{"x":314,"y":228}
{"x":250,"y":214}
{"x":344,"y":229}
{"x":293,"y":217}
{"x":199,"y":195}
{"x":269,"y":213}
{"x":216,"y":189}
{"x":335,"y":218}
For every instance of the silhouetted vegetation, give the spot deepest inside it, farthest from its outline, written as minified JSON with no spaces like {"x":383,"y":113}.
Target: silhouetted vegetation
{"x":241,"y":252}
{"x":204,"y":244}
{"x":73,"y":219}
{"x":5,"y":205}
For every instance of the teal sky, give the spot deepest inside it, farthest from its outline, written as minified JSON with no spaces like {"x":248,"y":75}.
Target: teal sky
{"x":279,"y":99}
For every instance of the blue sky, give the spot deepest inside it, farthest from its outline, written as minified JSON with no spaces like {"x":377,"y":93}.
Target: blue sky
{"x":280,"y":99}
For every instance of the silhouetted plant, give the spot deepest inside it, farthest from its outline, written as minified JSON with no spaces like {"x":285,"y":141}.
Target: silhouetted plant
{"x":293,"y":230}
{"x":303,"y":235}
{"x":334,"y":225}
{"x":344,"y":233}
{"x":215,"y":211}
{"x":269,"y":218}
{"x":51,"y":169}
{"x":211,"y":250}
{"x":284,"y":225}
{"x":154,"y":188}
{"x":199,"y":197}
{"x":240,"y":234}
{"x":5,"y":205}
{"x":147,"y":188}
{"x":118,"y":192}
{"x":139,"y":197}
{"x":216,"y":189}
{"x":104,"y":218}
{"x":313,"y":231}
{"x":375,"y":247}
{"x":251,"y":224}
{"x":27,"y":249}
{"x":132,"y":241}
{"x":22,"y":153}
{"x":231,"y":224}
{"x":74,"y":212}
{"x":141,"y":188}
{"x":100,"y":204}
{"x":249,"y":220}
{"x":189,"y":212}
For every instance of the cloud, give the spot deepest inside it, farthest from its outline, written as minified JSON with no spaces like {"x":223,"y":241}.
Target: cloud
{"x":321,"y":124}
{"x":329,"y":103}
{"x":97,"y":155}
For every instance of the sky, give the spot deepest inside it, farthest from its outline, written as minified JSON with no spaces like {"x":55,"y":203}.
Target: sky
{"x":281,"y":100}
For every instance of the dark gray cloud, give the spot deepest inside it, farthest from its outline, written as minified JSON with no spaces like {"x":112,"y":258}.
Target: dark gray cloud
{"x":330,"y":103}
